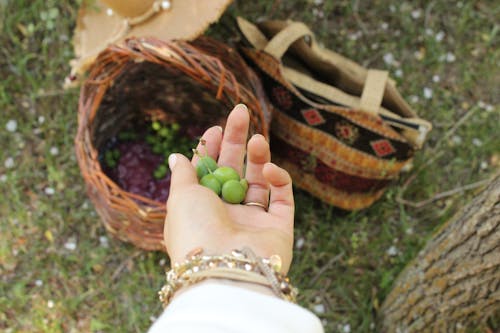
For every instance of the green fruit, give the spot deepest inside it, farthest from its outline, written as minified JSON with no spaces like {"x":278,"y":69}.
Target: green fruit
{"x":164,"y":132}
{"x":205,"y":166}
{"x":157,"y":149}
{"x":123,"y":136}
{"x":244,"y":183}
{"x":156,"y":125}
{"x":116,"y":154}
{"x":160,"y":172}
{"x":212,"y":183}
{"x":233,"y":192}
{"x":224,"y":174}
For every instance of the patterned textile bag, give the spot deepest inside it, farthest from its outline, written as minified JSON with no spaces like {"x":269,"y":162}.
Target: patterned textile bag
{"x":342,"y":131}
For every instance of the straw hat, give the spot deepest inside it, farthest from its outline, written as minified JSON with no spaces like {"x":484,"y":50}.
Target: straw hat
{"x":105,"y":22}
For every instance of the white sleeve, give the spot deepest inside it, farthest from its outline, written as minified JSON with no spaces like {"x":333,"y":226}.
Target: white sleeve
{"x":211,"y":307}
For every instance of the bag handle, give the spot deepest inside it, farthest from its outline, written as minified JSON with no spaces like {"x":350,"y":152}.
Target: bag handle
{"x":373,"y":91}
{"x":280,"y":43}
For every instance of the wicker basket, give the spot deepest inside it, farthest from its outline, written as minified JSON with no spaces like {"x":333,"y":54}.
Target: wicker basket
{"x":179,"y":81}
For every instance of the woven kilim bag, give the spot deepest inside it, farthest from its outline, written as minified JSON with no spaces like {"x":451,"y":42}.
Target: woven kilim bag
{"x":195,"y":83}
{"x":342,"y":131}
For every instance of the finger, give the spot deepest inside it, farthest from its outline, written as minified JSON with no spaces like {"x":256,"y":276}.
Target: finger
{"x":258,"y":155}
{"x":209,"y":144}
{"x":183,"y":172}
{"x":234,"y":140}
{"x":281,"y":199}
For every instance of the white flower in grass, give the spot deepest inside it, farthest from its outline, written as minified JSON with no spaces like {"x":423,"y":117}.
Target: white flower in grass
{"x":384,"y":25}
{"x":49,"y":191}
{"x":440,"y":36}
{"x":415,"y":14}
{"x":50,"y":304}
{"x":300,"y":243}
{"x":318,"y":13}
{"x":436,"y":78}
{"x":70,"y":244}
{"x":319,"y":308}
{"x":392,"y":251}
{"x":456,"y":140}
{"x":355,"y":36}
{"x":103,"y":240}
{"x":419,"y":55}
{"x":429,"y":31}
{"x":409,"y":231}
{"x":9,"y":163}
{"x":41,"y":119}
{"x":477,"y":142}
{"x":414,"y":99}
{"x":54,"y":151}
{"x":484,"y":165}
{"x":318,"y":2}
{"x":398,"y":73}
{"x":450,"y":57}
{"x":38,"y":283}
{"x":428,"y":93}
{"x":3,"y":178}
{"x":11,"y":125}
{"x":389,"y":58}
{"x":346,"y":328}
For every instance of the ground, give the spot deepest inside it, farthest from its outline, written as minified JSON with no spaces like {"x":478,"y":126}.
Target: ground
{"x":60,"y":270}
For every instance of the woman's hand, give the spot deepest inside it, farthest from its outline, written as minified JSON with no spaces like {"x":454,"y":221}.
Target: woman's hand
{"x":198,"y":218}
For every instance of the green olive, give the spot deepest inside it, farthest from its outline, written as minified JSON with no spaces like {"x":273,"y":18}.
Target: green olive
{"x":233,"y":192}
{"x":244,"y":183}
{"x":224,"y":174}
{"x":156,"y":125}
{"x":211,"y":182}
{"x":205,"y":166}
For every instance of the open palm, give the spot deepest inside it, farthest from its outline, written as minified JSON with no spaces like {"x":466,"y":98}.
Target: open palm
{"x":198,"y":218}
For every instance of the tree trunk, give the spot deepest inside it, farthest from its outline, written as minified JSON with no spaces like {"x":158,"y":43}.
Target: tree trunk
{"x":455,"y":280}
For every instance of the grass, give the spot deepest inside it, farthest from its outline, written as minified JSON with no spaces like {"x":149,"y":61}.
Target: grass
{"x":60,"y":272}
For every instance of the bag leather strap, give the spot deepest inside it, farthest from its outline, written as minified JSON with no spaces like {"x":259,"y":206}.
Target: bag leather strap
{"x":282,"y":41}
{"x":373,"y":91}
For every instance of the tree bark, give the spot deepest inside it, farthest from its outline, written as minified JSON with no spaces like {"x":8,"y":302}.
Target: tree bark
{"x":455,"y":280}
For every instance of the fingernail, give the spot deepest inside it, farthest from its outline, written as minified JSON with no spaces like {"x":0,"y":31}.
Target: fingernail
{"x":172,"y":159}
{"x":241,"y":106}
{"x":219,"y":128}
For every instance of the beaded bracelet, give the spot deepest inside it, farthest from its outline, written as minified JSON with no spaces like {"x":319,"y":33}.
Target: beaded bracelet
{"x":242,"y":265}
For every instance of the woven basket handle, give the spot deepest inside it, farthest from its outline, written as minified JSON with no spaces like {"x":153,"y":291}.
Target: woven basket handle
{"x":280,"y":43}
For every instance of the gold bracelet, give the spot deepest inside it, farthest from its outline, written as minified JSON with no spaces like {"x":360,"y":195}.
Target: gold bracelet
{"x":241,"y":265}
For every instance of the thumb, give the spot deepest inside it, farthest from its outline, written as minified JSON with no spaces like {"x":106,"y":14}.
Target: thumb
{"x":183,"y":172}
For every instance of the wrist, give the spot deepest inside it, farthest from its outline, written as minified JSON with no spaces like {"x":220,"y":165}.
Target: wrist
{"x":240,"y":268}
{"x":265,"y":290}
